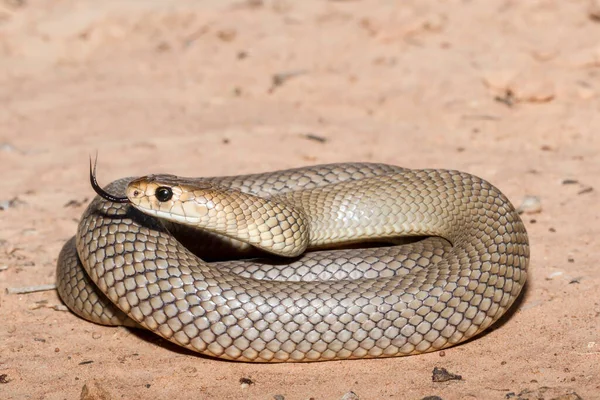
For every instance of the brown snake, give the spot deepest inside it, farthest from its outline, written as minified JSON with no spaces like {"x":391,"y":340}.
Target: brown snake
{"x":462,"y":271}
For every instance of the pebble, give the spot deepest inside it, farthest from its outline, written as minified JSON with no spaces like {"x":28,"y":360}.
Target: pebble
{"x":246,"y":382}
{"x":7,"y":147}
{"x":6,"y":204}
{"x":434,"y":22}
{"x":350,"y":396}
{"x":530,"y":205}
{"x":93,"y":390}
{"x":554,"y":275}
{"x":442,"y":375}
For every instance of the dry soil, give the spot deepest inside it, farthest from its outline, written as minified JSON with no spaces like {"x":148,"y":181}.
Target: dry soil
{"x":508,"y":90}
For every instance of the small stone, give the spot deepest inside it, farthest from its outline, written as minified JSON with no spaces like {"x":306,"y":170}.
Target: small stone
{"x":162,"y":47}
{"x":279,"y":397}
{"x":554,"y":274}
{"x":93,"y":390}
{"x":530,"y":205}
{"x":190,"y":369}
{"x":10,"y":203}
{"x":96,"y":335}
{"x":227,"y":35}
{"x":442,"y":375}
{"x":246,"y":382}
{"x":434,"y":22}
{"x":546,"y":147}
{"x":350,"y":396}
{"x":7,"y":147}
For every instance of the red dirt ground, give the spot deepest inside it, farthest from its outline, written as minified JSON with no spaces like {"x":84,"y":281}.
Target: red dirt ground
{"x":506,"y":90}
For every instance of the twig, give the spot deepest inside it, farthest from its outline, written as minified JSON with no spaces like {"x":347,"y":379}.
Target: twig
{"x":316,"y":138}
{"x":30,"y":289}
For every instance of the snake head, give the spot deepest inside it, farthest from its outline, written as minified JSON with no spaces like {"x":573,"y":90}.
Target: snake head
{"x":171,"y":197}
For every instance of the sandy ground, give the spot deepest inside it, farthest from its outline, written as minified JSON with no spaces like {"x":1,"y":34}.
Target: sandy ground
{"x":507,"y":90}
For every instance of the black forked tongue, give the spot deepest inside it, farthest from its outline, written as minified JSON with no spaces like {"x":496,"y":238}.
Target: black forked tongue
{"x":101,"y":192}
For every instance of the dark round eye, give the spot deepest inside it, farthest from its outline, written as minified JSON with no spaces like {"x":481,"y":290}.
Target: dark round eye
{"x":164,"y":193}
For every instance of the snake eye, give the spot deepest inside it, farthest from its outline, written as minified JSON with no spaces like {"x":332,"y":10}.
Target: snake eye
{"x":163,"y":193}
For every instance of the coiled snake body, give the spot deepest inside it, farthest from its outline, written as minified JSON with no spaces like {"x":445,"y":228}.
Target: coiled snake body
{"x":127,"y":264}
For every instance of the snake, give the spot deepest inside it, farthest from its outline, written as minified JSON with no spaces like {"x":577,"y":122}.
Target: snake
{"x":325,"y":262}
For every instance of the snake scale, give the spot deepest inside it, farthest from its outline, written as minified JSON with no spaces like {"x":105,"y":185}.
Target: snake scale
{"x":292,"y":294}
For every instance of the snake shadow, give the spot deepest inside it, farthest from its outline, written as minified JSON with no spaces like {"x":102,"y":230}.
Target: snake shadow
{"x":152,"y":338}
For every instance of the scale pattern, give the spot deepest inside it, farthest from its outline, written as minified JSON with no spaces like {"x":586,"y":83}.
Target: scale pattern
{"x":325,"y":305}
